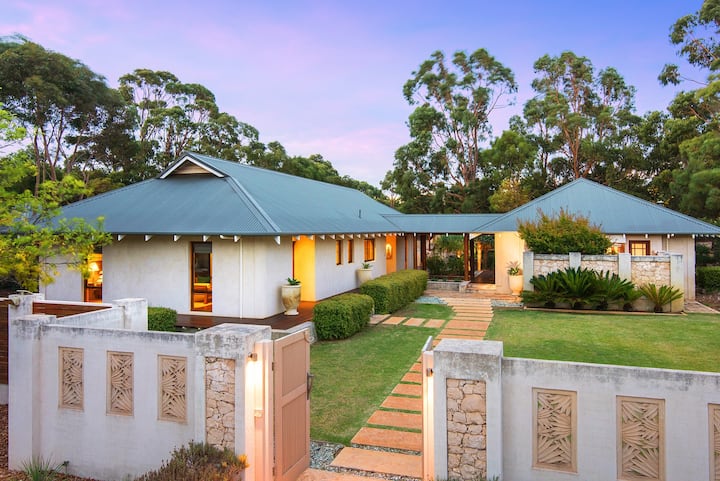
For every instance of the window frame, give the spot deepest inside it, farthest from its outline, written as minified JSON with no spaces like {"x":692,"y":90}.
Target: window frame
{"x":207,"y":292}
{"x":369,"y":254}
{"x":636,"y":243}
{"x":350,"y":248}
{"x":338,"y":252}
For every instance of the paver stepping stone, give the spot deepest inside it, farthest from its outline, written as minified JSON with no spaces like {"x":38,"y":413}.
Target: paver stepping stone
{"x":464,"y":332}
{"x":479,"y":325}
{"x":408,"y":389}
{"x":389,"y":438}
{"x":320,"y":475}
{"x":379,"y":462}
{"x":417,"y":367}
{"x":435,"y":323}
{"x":413,"y":377}
{"x":393,"y":321}
{"x":377,"y":318}
{"x":404,"y":403}
{"x":462,"y":338}
{"x":396,"y":419}
{"x":414,"y":321}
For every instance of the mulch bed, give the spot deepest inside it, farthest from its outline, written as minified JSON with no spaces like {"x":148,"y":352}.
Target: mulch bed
{"x":711,"y":299}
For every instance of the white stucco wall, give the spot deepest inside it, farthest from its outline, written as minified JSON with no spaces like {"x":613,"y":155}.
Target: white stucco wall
{"x":266,"y":267}
{"x":68,"y":285}
{"x":509,"y":247}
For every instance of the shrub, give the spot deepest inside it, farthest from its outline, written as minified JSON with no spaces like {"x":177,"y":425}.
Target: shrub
{"x":436,"y":266}
{"x":611,"y":288}
{"x":547,"y":290}
{"x":563,"y":233}
{"x":708,"y":278}
{"x":660,"y":296}
{"x":394,"y":291}
{"x":199,"y":462}
{"x":455,"y":266}
{"x":578,"y":286}
{"x":161,"y":319}
{"x":342,"y":316}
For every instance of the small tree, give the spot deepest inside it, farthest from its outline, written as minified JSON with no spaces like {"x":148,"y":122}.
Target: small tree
{"x":562,"y":233}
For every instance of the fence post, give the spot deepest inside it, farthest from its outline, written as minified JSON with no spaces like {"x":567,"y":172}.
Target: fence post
{"x":134,"y":313}
{"x":625,"y":266}
{"x":575,"y":260}
{"x":428,"y":412}
{"x":677,"y":280}
{"x":528,"y":269}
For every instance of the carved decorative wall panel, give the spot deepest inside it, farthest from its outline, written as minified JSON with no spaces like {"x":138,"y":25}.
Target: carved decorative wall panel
{"x":173,"y":388}
{"x":714,"y":418}
{"x":555,"y":429}
{"x":641,"y":438}
{"x":120,"y":383}
{"x":71,"y":377}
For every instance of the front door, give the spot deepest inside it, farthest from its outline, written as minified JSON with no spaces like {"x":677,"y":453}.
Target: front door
{"x":292,"y":383}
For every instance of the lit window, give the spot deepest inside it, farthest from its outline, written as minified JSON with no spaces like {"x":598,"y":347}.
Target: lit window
{"x":369,"y":250}
{"x":351,"y":248}
{"x":201,"y":294}
{"x":640,"y":248}
{"x":338,"y":252}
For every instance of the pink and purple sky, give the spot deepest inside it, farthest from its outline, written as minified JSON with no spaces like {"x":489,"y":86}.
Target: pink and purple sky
{"x":326,"y":76}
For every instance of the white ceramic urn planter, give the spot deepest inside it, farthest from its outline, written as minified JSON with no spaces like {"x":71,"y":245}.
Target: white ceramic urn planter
{"x":290,"y":298}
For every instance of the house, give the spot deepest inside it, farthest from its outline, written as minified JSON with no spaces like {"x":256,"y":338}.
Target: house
{"x":212,"y":236}
{"x":218,"y":237}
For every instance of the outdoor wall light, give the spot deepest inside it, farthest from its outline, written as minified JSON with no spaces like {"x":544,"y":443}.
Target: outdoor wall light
{"x":253,"y":356}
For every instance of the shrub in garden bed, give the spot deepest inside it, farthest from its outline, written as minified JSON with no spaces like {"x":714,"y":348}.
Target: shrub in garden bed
{"x":199,"y":462}
{"x":161,"y":319}
{"x":342,"y":316}
{"x":395,"y":291}
{"x":708,"y":278}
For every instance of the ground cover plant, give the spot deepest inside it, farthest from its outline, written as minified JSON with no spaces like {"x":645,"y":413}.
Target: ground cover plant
{"x":688,"y":342}
{"x":353,"y":376}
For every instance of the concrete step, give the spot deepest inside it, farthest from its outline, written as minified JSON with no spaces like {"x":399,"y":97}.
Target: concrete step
{"x":379,"y":462}
{"x":388,"y":438}
{"x":459,"y":324}
{"x":320,"y":475}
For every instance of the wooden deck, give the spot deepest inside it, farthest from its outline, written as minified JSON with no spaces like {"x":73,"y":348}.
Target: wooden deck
{"x":278,"y":321}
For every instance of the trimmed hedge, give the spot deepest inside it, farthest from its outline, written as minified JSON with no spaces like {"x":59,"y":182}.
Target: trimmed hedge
{"x":708,"y":278}
{"x":395,"y":291}
{"x":342,"y":316}
{"x":161,"y":319}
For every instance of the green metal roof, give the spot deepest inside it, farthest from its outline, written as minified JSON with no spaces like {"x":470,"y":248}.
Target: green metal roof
{"x":614,"y":211}
{"x":440,"y":223}
{"x":233,"y":199}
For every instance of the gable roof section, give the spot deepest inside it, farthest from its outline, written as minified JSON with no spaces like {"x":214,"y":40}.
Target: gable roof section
{"x":440,"y":223}
{"x":203,"y":195}
{"x":614,"y":211}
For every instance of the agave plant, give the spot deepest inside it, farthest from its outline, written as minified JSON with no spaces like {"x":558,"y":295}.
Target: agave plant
{"x":578,"y":285}
{"x":660,"y":296}
{"x":612,"y":288}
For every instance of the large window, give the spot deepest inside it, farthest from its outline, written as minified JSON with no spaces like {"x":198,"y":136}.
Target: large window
{"x":351,"y":248}
{"x":369,"y":250}
{"x":201,"y":294}
{"x":639,"y":248}
{"x":94,"y":281}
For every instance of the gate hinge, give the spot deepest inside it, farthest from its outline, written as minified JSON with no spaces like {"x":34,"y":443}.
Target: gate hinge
{"x":272,"y":366}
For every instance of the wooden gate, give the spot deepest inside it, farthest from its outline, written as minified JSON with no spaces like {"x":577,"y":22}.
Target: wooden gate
{"x":292,"y":384}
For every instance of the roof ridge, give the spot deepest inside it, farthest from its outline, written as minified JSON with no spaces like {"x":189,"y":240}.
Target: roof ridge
{"x":244,"y":194}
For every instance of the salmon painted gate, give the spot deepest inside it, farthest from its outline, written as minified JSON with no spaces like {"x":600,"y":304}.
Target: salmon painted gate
{"x":292,"y":385}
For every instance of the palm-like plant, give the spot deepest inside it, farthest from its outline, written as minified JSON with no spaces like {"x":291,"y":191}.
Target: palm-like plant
{"x":547,"y":290}
{"x":660,"y":296}
{"x":612,"y":288}
{"x":578,"y":286}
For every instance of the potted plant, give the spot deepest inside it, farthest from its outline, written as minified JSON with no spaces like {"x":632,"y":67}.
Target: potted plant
{"x":290,"y":294}
{"x":364,"y":274}
{"x":516,"y":279}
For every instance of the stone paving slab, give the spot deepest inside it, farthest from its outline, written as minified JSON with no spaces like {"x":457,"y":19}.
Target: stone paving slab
{"x":388,"y":438}
{"x":479,"y":325}
{"x":320,"y":475}
{"x":396,"y":419}
{"x":408,"y":389}
{"x":380,"y":462}
{"x":435,"y":323}
{"x":464,"y":332}
{"x":417,"y":367}
{"x":414,"y":321}
{"x":404,"y":403}
{"x":377,"y":319}
{"x":413,"y":377}
{"x":394,"y":321}
{"x":462,"y":338}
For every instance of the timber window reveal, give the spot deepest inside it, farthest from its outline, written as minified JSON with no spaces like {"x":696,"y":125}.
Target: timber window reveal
{"x":369,"y":250}
{"x":338,"y":252}
{"x":350,"y":249}
{"x":201,"y":281}
{"x":639,"y":248}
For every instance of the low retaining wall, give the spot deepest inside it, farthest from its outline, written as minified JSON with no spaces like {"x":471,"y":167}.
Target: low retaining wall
{"x":531,"y":420}
{"x":659,"y":270}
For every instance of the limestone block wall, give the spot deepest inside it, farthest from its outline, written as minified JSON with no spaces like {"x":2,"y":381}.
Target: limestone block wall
{"x":551,"y":420}
{"x":220,"y":402}
{"x":651,"y":270}
{"x":548,"y":263}
{"x":601,"y":263}
{"x":466,"y":432}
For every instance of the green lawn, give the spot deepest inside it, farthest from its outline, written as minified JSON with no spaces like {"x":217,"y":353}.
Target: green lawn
{"x":353,"y":377}
{"x":690,"y":342}
{"x":426,"y":311}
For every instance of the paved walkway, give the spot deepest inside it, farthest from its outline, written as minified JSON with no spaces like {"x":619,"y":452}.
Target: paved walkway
{"x":390,"y":443}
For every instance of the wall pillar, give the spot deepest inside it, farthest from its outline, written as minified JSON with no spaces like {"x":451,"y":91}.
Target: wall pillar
{"x":677,"y":280}
{"x":528,"y":269}
{"x":575,"y":260}
{"x":468,"y":409}
{"x":625,"y":266}
{"x":134,"y":313}
{"x":25,"y":397}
